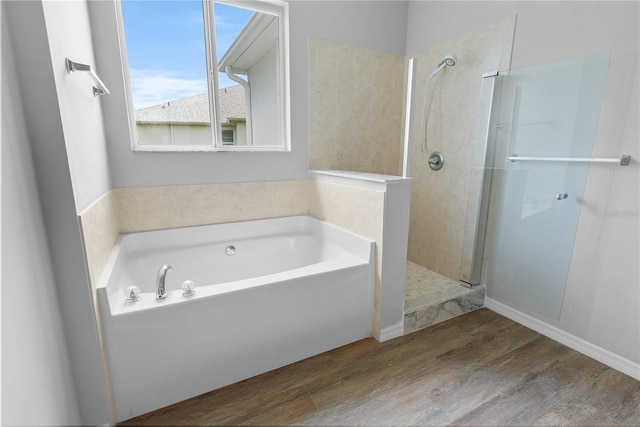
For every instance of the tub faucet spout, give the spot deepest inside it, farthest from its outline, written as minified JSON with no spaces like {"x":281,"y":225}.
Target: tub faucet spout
{"x":161,"y":287}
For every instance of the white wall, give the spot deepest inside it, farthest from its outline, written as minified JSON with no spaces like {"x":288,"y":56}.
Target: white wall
{"x":37,"y":383}
{"x":32,"y":26}
{"x":609,"y":313}
{"x":69,"y":36}
{"x":373,"y":24}
{"x":601,"y":303}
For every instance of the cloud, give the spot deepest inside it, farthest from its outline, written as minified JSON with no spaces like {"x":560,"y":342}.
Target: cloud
{"x":150,"y":87}
{"x":227,"y":23}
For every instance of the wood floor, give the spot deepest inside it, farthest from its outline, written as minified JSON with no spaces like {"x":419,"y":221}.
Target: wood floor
{"x":476,"y":369}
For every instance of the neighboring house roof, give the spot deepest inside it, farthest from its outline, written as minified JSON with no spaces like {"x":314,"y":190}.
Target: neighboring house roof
{"x":195,"y":109}
{"x":232,"y":103}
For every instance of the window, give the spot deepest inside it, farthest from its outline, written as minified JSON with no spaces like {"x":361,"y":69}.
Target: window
{"x":206,"y":75}
{"x":227,"y":137}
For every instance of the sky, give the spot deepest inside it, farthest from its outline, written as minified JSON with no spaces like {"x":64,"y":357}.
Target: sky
{"x":166,"y":50}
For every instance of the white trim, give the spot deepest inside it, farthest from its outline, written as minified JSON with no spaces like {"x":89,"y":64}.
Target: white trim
{"x":213,"y":88}
{"x":124,"y":57}
{"x":370,"y":181}
{"x":585,"y":347}
{"x":391,"y":332}
{"x":408,"y":134}
{"x":152,"y":148}
{"x":259,"y":25}
{"x":277,"y":8}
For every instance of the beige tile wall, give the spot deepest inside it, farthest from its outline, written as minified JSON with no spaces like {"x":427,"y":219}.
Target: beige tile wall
{"x":439,"y":199}
{"x":155,"y":208}
{"x":355,"y":108}
{"x":100,"y":230}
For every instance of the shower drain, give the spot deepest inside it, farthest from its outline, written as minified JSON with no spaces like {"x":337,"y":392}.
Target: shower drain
{"x":230,"y":250}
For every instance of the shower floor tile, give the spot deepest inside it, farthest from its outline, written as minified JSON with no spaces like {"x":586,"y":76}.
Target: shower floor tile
{"x":431,"y":298}
{"x":426,"y":287}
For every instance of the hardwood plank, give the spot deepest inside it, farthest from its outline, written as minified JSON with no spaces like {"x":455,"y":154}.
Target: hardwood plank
{"x":391,"y":361}
{"x":270,"y":407}
{"x":395,"y":366}
{"x":574,"y":413}
{"x":384,"y":406}
{"x":472,"y":387}
{"x":615,"y":394}
{"x":241,"y":395}
{"x":541,"y":393}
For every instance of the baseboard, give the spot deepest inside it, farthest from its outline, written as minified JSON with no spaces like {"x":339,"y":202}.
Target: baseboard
{"x":585,"y":347}
{"x":391,"y":332}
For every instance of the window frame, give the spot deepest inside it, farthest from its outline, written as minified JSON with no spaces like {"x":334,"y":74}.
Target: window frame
{"x":279,"y":8}
{"x":233,"y":136}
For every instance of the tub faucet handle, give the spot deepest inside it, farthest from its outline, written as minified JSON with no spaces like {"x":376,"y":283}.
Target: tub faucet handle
{"x":132,"y":293}
{"x":188,"y":288}
{"x":161,"y":285}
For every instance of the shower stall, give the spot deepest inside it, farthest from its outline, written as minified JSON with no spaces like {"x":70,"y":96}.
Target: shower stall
{"x":522,"y":193}
{"x":496,"y":159}
{"x":437,"y":165}
{"x":442,"y":133}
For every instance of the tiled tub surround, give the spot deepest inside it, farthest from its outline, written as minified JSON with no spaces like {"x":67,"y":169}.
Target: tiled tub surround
{"x":431,"y":298}
{"x":440,"y":200}
{"x":355,"y":108}
{"x":359,"y":209}
{"x":158,"y":208}
{"x":100,"y":228}
{"x":134,"y":209}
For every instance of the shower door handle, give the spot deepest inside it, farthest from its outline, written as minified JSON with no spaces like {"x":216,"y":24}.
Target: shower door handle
{"x":561,"y":196}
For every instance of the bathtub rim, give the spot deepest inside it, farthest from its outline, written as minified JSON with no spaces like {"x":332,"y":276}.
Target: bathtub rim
{"x":364,"y":247}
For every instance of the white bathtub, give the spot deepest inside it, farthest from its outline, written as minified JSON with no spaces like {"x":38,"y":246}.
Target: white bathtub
{"x":295,"y":287}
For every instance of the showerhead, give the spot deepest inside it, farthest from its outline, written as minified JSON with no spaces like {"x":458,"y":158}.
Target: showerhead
{"x":449,"y":60}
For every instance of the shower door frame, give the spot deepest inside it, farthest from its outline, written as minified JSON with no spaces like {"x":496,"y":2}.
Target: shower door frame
{"x":480,"y":184}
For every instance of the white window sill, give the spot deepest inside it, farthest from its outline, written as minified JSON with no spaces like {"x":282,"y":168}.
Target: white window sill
{"x":207,"y":149}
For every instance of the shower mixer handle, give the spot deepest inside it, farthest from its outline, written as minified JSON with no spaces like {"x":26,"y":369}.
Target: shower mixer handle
{"x":436,"y":161}
{"x":561,"y":196}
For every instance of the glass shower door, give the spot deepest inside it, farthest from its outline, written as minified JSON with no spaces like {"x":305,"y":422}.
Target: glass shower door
{"x":546,"y":111}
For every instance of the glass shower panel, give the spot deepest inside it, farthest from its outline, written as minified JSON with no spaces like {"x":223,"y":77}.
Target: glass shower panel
{"x":548,"y":110}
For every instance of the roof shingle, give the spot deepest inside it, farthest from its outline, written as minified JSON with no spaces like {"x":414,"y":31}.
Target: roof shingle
{"x":195,"y":109}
